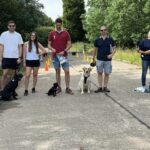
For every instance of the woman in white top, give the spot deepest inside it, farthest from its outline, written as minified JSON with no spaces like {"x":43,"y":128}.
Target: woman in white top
{"x":32,"y":50}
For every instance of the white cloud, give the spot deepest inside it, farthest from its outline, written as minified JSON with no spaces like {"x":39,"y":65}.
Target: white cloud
{"x":53,"y":8}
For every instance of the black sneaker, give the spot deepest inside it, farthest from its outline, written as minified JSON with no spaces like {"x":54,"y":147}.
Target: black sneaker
{"x":26,"y":93}
{"x":33,"y":90}
{"x":99,"y":90}
{"x":106,"y":89}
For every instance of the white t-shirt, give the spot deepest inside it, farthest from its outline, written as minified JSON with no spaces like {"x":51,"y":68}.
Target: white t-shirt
{"x":33,"y":54}
{"x":11,"y":41}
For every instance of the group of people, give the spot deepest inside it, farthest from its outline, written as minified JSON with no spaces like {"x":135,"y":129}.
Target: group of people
{"x":13,"y":51}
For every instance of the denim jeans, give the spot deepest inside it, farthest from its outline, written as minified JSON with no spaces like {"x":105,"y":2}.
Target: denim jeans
{"x":145,"y":66}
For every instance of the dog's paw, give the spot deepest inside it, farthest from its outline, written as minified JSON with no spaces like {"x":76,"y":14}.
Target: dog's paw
{"x":82,"y":92}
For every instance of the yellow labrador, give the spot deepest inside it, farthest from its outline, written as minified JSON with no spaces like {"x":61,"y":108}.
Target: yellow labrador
{"x":85,"y":82}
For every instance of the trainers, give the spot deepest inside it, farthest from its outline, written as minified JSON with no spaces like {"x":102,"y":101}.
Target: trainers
{"x":99,"y":90}
{"x":58,"y":90}
{"x":106,"y":89}
{"x":25,"y":92}
{"x":33,"y":90}
{"x":69,"y":91}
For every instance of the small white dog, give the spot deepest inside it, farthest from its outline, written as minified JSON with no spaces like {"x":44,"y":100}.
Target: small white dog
{"x":85,"y":82}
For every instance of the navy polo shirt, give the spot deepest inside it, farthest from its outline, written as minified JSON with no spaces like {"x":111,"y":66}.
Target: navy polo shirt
{"x":144,"y":46}
{"x":104,"y":47}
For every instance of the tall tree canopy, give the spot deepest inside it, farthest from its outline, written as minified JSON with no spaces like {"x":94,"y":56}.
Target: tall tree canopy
{"x":72,"y":11}
{"x":127,"y":20}
{"x":26,"y":13}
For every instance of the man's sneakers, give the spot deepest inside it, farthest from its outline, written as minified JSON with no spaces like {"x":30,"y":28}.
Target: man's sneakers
{"x":69,"y":91}
{"x":106,"y":89}
{"x":100,"y":89}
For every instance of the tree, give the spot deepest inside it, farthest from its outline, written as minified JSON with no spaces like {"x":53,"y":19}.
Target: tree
{"x":127,"y":21}
{"x":72,"y":11}
{"x":26,"y":13}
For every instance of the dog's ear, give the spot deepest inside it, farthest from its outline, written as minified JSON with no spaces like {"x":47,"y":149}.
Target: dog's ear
{"x":83,"y":68}
{"x":90,"y":69}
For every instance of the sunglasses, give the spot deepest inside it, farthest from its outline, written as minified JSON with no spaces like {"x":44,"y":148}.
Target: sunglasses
{"x":11,"y":25}
{"x":103,"y":30}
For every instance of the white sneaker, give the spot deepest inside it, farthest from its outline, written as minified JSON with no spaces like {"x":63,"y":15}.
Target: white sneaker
{"x":141,"y":89}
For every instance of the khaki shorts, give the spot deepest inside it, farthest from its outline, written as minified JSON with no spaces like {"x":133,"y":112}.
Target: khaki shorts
{"x":104,"y":66}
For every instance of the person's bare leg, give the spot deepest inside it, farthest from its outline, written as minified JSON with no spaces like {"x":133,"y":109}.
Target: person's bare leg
{"x":100,"y":79}
{"x":67,"y":78}
{"x":27,"y":77}
{"x":58,"y":77}
{"x":4,"y":78}
{"x":35,"y":76}
{"x":106,"y":79}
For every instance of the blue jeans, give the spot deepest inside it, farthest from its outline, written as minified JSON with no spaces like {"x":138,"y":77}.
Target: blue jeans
{"x":145,"y":66}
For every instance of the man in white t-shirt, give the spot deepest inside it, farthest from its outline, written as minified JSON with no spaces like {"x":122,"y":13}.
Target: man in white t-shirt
{"x":10,"y":50}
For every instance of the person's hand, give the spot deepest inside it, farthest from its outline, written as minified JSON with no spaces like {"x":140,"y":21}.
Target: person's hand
{"x":0,"y":61}
{"x":109,"y":56}
{"x":61,"y":53}
{"x":53,"y":50}
{"x":18,"y":60}
{"x":24,"y":65}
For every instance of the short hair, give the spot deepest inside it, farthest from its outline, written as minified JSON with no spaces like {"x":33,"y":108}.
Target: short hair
{"x":11,"y":21}
{"x":103,"y":27}
{"x":58,"y":20}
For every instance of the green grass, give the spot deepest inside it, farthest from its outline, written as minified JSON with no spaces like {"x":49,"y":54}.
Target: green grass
{"x":79,"y":47}
{"x":130,"y":56}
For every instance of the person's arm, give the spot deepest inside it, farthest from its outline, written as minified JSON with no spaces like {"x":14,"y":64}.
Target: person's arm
{"x":68,"y":46}
{"x":94,"y":54}
{"x":41,"y":47}
{"x":50,"y":39}
{"x":24,"y":54}
{"x":50,"y":47}
{"x":20,"y":53}
{"x":112,"y":48}
{"x":1,"y":52}
{"x":113,"y":51}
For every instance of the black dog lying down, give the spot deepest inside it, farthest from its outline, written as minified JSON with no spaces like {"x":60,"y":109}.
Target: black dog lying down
{"x":53,"y":90}
{"x":9,"y":91}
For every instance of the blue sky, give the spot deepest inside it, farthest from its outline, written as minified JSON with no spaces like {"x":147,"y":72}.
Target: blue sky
{"x":52,"y":8}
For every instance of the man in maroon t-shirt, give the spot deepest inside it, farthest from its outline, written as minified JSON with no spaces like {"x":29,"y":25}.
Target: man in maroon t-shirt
{"x":59,"y":42}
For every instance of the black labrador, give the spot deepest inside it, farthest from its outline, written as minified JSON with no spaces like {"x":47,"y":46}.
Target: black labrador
{"x":9,"y":91}
{"x":52,"y":91}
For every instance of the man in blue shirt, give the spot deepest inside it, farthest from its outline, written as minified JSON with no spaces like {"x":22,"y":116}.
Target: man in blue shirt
{"x":144,"y":50}
{"x":104,"y":49}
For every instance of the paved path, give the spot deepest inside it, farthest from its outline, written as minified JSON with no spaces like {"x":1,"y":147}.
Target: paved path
{"x":117,"y":121}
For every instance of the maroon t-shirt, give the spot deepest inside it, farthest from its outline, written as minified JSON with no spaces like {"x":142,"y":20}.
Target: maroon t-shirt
{"x":59,"y":41}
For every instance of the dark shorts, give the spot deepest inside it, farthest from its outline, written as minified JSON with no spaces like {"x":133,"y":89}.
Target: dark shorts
{"x":32,"y":63}
{"x":9,"y":63}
